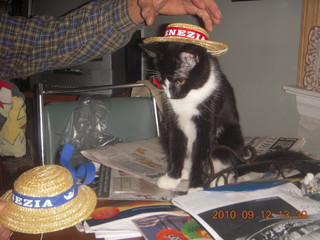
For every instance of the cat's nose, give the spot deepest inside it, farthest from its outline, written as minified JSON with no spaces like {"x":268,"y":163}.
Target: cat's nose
{"x":166,"y":90}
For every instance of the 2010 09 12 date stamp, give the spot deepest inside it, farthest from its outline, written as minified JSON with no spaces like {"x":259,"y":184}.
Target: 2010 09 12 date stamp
{"x":265,"y":214}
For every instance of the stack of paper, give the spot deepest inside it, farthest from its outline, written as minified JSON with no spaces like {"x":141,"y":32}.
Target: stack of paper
{"x":257,"y":210}
{"x":129,"y":219}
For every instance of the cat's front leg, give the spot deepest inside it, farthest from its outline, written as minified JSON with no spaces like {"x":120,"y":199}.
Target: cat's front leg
{"x":167,"y":182}
{"x":171,"y":181}
{"x":173,"y":176}
{"x":200,"y":157}
{"x":176,"y":153}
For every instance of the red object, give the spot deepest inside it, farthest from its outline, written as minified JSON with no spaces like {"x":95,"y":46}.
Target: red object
{"x":167,"y":234}
{"x":156,"y":82}
{"x":105,"y":212}
{"x":5,"y":84}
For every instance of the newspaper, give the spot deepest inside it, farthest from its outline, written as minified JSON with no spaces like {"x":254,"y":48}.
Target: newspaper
{"x":144,"y":161}
{"x":272,"y":143}
{"x":117,"y":185}
{"x":258,"y":210}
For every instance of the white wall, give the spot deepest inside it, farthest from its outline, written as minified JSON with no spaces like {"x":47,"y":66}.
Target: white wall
{"x":263,"y":39}
{"x":264,"y":42}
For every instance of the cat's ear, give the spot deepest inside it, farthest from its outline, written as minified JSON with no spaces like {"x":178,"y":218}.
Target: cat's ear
{"x":151,"y":49}
{"x":189,"y":59}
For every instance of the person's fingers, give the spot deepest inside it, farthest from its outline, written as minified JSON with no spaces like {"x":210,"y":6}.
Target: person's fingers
{"x":206,"y":18}
{"x":212,"y":9}
{"x":199,"y":4}
{"x":148,"y":12}
{"x":150,"y":17}
{"x":2,"y":205}
{"x":207,"y":10}
{"x":4,"y":233}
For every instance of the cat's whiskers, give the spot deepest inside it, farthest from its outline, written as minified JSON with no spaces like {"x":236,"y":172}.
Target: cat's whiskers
{"x":152,"y":72}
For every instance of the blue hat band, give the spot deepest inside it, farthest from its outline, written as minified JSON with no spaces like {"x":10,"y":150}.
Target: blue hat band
{"x":45,"y":202}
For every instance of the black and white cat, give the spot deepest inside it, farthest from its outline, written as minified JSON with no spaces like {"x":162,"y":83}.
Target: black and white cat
{"x":200,"y":112}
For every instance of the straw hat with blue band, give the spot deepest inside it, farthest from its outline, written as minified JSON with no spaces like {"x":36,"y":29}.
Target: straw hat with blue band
{"x":48,"y":198}
{"x":188,"y":33}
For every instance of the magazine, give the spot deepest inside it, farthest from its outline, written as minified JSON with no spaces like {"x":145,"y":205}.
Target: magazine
{"x":171,"y":226}
{"x":254,"y":210}
{"x":114,"y":221}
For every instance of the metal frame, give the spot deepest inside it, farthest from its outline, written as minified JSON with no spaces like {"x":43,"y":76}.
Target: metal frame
{"x":40,"y":92}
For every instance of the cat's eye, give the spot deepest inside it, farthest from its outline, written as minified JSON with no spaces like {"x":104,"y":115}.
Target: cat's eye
{"x":181,"y":82}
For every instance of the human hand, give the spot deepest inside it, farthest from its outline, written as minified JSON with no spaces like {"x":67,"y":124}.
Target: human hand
{"x":4,"y":232}
{"x":207,"y":10}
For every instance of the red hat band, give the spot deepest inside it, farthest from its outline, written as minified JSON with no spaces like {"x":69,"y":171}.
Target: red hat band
{"x":186,"y":33}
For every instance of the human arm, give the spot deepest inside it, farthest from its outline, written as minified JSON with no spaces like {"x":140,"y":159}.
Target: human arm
{"x":4,"y":232}
{"x":32,"y":45}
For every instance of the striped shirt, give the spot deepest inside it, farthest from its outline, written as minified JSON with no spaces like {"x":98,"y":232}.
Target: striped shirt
{"x":32,"y":45}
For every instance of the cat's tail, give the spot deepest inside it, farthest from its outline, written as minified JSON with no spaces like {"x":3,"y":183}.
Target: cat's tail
{"x":278,"y":162}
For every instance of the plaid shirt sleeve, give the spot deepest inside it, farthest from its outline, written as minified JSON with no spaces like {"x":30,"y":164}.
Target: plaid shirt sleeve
{"x":32,"y":45}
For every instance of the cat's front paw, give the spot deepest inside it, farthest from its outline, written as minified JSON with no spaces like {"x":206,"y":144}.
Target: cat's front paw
{"x":167,"y":182}
{"x":185,"y":174}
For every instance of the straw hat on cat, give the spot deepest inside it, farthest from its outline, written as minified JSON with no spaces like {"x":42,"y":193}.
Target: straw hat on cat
{"x":46,"y":199}
{"x":188,"y":33}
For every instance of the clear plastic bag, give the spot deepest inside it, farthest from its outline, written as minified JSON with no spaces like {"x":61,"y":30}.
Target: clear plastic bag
{"x":88,"y":127}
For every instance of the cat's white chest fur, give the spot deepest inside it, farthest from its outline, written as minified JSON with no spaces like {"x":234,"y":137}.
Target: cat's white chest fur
{"x":187,"y":108}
